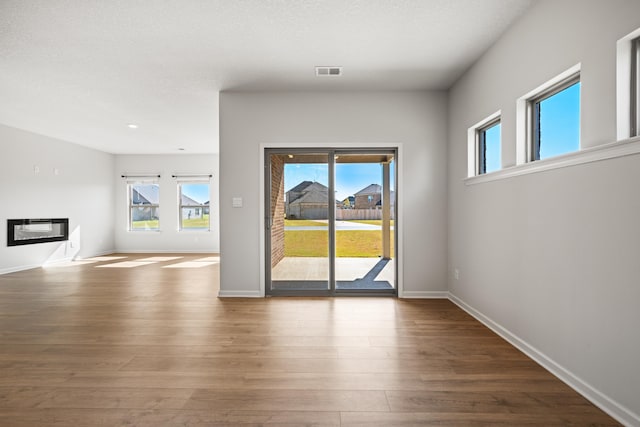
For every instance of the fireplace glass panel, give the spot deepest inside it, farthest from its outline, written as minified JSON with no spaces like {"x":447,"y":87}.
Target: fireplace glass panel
{"x":29,"y":231}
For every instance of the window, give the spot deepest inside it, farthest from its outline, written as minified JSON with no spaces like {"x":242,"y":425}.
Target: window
{"x":194,"y":205}
{"x":555,"y":120}
{"x":628,"y":86}
{"x":484,"y":146}
{"x":488,"y":147}
{"x":635,"y":87}
{"x":144,"y":206}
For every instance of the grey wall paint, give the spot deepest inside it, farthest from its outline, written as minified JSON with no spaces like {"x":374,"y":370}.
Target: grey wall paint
{"x":417,"y":120}
{"x":81,"y":191}
{"x":553,"y":256}
{"x":168,"y":239}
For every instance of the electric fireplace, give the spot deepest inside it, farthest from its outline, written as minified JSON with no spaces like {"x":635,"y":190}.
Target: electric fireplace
{"x":31,"y":231}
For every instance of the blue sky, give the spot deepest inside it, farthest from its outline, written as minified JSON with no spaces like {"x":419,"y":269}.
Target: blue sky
{"x":198,"y":192}
{"x":350,"y":177}
{"x":492,"y":146}
{"x":560,"y":122}
{"x":559,"y":128}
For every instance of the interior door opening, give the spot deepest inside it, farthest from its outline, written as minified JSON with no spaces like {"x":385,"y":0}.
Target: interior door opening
{"x":330,"y":220}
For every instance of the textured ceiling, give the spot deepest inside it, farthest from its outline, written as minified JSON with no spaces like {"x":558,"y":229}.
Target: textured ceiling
{"x":81,"y":70}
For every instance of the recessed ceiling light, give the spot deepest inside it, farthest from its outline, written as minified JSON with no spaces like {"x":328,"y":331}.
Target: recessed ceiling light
{"x":132,"y":126}
{"x":290,"y":156}
{"x":325,"y":71}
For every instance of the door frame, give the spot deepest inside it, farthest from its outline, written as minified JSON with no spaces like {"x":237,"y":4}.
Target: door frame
{"x":398,"y":226}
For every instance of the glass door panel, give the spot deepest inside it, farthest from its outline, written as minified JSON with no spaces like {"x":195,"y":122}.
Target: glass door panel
{"x":298,"y":222}
{"x":365,"y":215}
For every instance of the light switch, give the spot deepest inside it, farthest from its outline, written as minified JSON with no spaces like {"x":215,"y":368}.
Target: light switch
{"x":236,"y":202}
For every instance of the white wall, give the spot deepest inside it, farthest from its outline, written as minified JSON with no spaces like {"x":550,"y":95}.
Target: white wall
{"x":168,"y":239}
{"x":416,"y":120}
{"x":552,"y":257}
{"x":81,"y":191}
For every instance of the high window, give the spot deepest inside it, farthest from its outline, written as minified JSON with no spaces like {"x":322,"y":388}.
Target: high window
{"x":628,"y":86}
{"x":484,"y":146}
{"x":144,"y":206}
{"x":488,"y":147}
{"x":635,"y":87}
{"x":555,"y":120}
{"x":194,"y":205}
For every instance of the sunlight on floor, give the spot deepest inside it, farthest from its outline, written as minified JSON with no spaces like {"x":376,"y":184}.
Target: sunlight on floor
{"x":191,"y":264}
{"x":104,"y":258}
{"x":159,"y":258}
{"x":209,"y":258}
{"x":125,"y":264}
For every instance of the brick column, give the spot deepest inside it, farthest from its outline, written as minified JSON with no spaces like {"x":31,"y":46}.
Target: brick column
{"x":277,"y":209}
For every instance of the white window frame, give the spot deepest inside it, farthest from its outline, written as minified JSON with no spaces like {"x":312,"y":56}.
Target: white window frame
{"x":627,"y":86}
{"x":191,"y":180}
{"x":474,"y":141}
{"x":534,"y":112}
{"x":481,"y":145}
{"x":525,"y":114}
{"x":130,"y":206}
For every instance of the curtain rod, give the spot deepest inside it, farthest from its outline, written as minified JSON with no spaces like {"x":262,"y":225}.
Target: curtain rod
{"x":141,"y":176}
{"x":193,"y":176}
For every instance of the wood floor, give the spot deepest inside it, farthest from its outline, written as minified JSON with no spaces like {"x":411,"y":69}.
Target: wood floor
{"x":144,"y":341}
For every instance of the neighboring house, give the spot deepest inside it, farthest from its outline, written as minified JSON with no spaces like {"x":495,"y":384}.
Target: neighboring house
{"x":146,"y":198}
{"x":370,"y":197}
{"x":392,"y":196}
{"x":192,"y":209}
{"x":307,"y":200}
{"x":347,"y":203}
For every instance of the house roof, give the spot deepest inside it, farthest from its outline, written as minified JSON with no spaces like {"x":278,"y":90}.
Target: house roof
{"x":300,"y":187}
{"x":308,"y":186}
{"x":370,"y":189}
{"x":317,"y":197}
{"x":186,"y":200}
{"x":305,"y":188}
{"x":146,"y":194}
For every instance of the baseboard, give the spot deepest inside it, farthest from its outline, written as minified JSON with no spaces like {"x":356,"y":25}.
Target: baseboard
{"x":50,"y":263}
{"x":425,"y":294}
{"x":239,"y":294}
{"x":18,"y":268}
{"x":95,"y":254}
{"x":608,"y":405}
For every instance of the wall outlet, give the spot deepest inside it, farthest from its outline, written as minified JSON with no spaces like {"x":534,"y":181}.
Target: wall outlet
{"x":456,"y":274}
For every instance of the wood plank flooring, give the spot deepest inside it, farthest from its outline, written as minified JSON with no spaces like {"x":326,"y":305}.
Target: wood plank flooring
{"x":142,"y":340}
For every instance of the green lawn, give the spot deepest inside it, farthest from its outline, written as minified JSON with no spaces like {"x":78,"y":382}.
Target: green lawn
{"x":195,"y":223}
{"x":151,"y":224}
{"x":349,"y":243}
{"x":303,"y":223}
{"x":370,"y":221}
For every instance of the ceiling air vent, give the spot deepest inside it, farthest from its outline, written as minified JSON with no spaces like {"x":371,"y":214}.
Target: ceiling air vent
{"x":328,"y":71}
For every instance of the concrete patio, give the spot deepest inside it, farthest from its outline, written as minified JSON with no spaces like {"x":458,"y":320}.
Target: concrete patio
{"x":356,"y":273}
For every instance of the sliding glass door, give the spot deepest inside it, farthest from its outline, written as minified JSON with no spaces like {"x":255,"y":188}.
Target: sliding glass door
{"x":329,"y":219}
